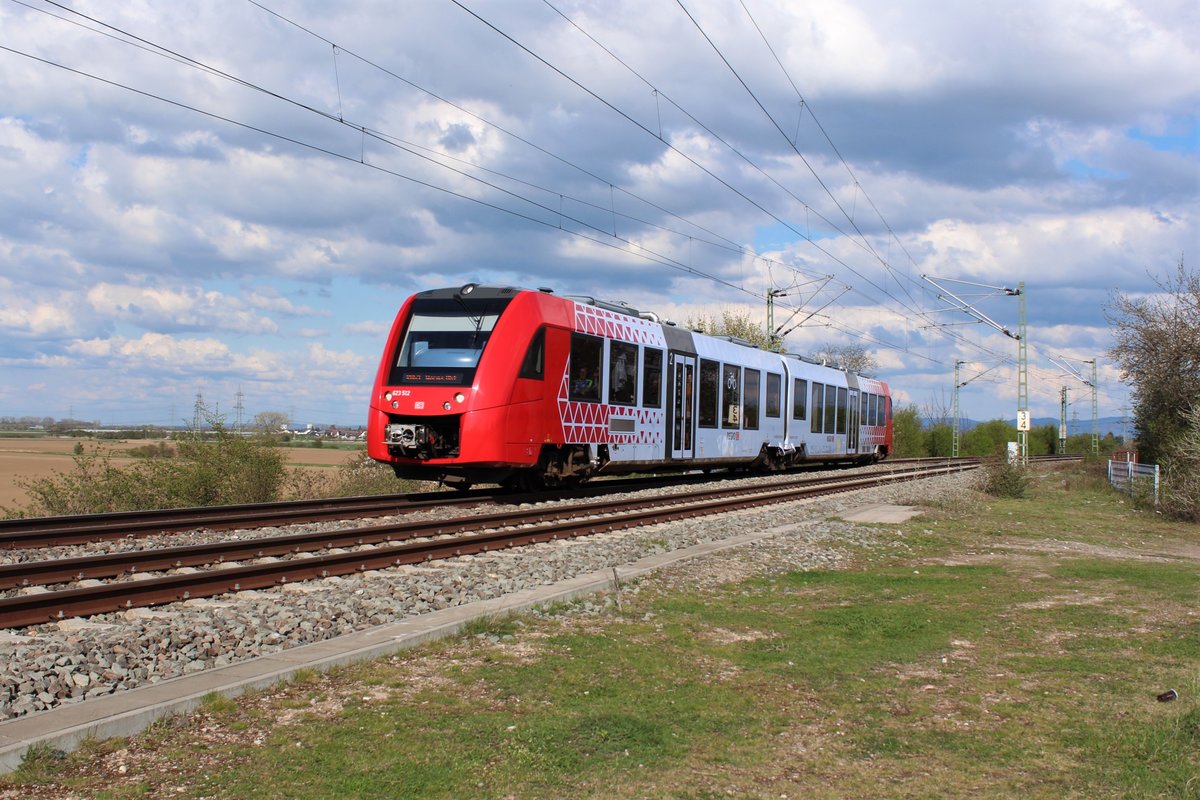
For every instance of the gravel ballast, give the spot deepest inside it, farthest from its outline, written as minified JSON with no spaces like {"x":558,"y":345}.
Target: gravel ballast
{"x":54,"y":664}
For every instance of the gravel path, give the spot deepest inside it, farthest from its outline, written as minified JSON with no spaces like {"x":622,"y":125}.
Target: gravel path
{"x":60,"y":663}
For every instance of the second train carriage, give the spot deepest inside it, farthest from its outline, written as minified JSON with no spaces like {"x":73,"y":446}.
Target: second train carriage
{"x":525,"y":388}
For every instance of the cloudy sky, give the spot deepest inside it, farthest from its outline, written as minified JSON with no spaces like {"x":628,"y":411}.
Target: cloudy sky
{"x":233,"y":198}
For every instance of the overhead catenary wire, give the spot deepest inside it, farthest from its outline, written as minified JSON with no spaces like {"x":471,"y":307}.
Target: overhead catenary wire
{"x":148,"y":46}
{"x":709,"y":130}
{"x":626,"y":243}
{"x":641,"y":126}
{"x":915,"y":311}
{"x":640,"y":251}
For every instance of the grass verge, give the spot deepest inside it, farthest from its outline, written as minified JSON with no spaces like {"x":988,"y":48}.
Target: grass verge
{"x":1010,"y":648}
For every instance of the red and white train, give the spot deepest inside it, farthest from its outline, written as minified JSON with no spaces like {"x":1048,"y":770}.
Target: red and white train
{"x":526,"y":389}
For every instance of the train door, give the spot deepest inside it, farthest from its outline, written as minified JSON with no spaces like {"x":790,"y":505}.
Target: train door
{"x":852,"y":429}
{"x":683,"y":404}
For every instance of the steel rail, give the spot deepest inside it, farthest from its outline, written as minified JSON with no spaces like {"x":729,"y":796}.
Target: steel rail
{"x":108,"y":565}
{"x":35,"y":532}
{"x":38,"y":532}
{"x":46,"y":606}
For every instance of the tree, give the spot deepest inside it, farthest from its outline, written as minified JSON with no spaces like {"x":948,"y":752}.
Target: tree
{"x":939,"y":439}
{"x":737,"y":324}
{"x":1158,"y":351}
{"x":1043,"y":440}
{"x":270,"y":422}
{"x":908,"y":435}
{"x":988,"y":438}
{"x":851,"y":357}
{"x":1181,"y":463}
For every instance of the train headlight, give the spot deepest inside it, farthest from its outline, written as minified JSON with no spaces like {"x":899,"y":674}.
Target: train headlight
{"x":388,"y":397}
{"x":395,"y":404}
{"x":459,"y":397}
{"x":446,"y":405}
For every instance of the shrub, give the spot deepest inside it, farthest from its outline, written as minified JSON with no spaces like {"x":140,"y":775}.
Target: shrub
{"x":1181,"y":471}
{"x":217,"y":468}
{"x":1000,"y":477}
{"x":159,"y":450}
{"x":359,"y":475}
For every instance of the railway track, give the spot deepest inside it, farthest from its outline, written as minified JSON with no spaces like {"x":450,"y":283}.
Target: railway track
{"x":36,"y":532}
{"x":322,"y":554}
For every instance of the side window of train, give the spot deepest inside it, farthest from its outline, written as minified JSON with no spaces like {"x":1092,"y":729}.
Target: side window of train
{"x":586,"y":354}
{"x":750,"y":400}
{"x":774,"y":401}
{"x":710,"y":385}
{"x":830,"y":408}
{"x":534,"y":365}
{"x":652,"y":373}
{"x":842,"y":409}
{"x":731,"y":384}
{"x":622,"y":373}
{"x":872,"y":415}
{"x":799,"y":398}
{"x":817,"y":409}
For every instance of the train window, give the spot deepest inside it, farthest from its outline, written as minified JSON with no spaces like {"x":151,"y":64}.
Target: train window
{"x":710,"y":383}
{"x":731,"y":384}
{"x":864,"y":417}
{"x":818,"y":407}
{"x":586,"y":353}
{"x":534,"y":365}
{"x":622,"y":373}
{"x":842,"y":407}
{"x":830,"y":409}
{"x":799,"y":398}
{"x":774,"y":401}
{"x":445,"y":337}
{"x":750,"y":400}
{"x":872,"y":415}
{"x":652,"y":367}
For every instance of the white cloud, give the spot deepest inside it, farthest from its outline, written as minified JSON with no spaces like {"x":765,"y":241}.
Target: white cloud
{"x":1001,"y":142}
{"x":157,"y":309}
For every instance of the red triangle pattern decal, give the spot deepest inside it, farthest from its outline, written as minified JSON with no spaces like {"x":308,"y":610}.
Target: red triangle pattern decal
{"x":588,"y":423}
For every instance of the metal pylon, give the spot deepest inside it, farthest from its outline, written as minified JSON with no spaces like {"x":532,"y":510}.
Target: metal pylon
{"x":1022,"y":374}
{"x":957,"y":415}
{"x":1095,"y":412}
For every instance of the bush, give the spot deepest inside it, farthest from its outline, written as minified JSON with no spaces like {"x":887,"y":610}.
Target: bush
{"x":359,"y":475}
{"x":217,"y":468}
{"x":1000,"y":477}
{"x":160,"y":450}
{"x":1181,"y":471}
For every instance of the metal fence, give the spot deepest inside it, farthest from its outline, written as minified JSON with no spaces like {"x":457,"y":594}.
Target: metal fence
{"x":1131,"y":477}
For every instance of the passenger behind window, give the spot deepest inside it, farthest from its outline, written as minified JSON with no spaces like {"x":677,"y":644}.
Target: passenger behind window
{"x":583,"y":385}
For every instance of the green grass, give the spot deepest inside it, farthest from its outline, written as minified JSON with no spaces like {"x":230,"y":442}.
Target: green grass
{"x":988,"y":659}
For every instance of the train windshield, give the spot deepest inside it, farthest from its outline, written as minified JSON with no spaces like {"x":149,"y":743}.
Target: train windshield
{"x":444,"y":339}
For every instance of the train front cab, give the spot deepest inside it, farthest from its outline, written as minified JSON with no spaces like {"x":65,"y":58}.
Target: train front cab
{"x":460,"y":379}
